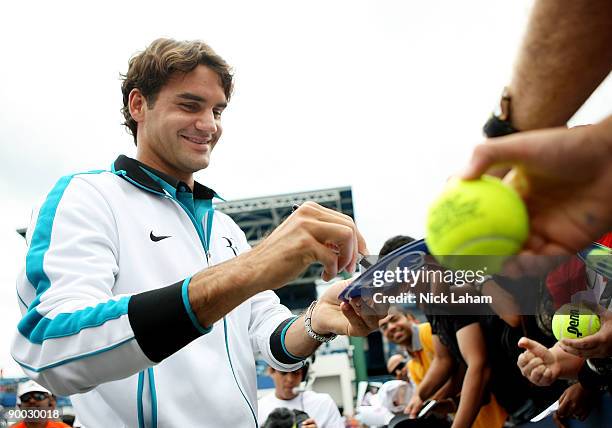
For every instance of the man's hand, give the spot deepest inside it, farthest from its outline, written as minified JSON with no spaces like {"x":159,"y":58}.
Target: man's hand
{"x":598,"y":345}
{"x":308,"y":423}
{"x":312,"y":233}
{"x":537,"y":363}
{"x":331,"y":315}
{"x":575,"y":402}
{"x":414,"y":405}
{"x":566,"y":183}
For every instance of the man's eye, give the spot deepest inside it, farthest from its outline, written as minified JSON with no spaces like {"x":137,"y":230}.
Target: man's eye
{"x":189,"y":107}
{"x":217,"y":113}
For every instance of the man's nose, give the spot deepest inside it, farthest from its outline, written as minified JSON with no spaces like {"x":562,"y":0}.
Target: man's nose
{"x":206,"y":122}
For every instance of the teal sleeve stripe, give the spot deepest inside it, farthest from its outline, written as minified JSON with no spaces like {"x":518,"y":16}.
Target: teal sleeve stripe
{"x":34,"y":326}
{"x":153,"y":397}
{"x":37,"y":328}
{"x":283,"y":340}
{"x":41,"y":237}
{"x":139,"y":400}
{"x":71,"y":359}
{"x":192,"y":315}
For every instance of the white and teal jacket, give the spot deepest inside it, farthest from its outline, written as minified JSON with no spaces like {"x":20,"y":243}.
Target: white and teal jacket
{"x":106,"y":318}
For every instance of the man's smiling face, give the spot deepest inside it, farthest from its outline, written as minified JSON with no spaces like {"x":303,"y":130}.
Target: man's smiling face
{"x":176,"y":134}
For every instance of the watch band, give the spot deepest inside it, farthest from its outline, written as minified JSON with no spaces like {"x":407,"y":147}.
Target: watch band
{"x":500,"y":122}
{"x":495,"y":127}
{"x":308,"y":326}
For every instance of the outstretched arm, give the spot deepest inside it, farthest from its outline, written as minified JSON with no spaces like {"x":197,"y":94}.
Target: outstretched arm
{"x":437,"y":375}
{"x":473,"y":349}
{"x":564,"y":56}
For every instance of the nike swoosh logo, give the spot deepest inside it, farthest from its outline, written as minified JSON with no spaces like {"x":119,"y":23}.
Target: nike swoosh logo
{"x":157,"y":238}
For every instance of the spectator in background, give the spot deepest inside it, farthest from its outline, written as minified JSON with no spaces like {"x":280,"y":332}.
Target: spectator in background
{"x":437,"y":358}
{"x":397,"y":367}
{"x":394,"y":243}
{"x":32,"y":396}
{"x":401,"y":328}
{"x":285,"y":418}
{"x":320,"y":407}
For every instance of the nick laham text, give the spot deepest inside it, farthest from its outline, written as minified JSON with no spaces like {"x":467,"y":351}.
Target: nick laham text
{"x":449,"y":298}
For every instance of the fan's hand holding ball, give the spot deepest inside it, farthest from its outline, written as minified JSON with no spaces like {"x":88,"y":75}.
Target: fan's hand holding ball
{"x":574,"y":321}
{"x":482,"y":217}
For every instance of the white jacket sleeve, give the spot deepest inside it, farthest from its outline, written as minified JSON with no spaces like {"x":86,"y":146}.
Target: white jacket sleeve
{"x":268,"y":323}
{"x":75,"y":331}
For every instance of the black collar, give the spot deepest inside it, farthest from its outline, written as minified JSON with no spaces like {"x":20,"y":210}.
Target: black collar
{"x":133,"y":170}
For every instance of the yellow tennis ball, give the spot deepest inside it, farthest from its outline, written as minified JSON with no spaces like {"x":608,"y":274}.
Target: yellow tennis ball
{"x":574,"y":321}
{"x":481,"y":217}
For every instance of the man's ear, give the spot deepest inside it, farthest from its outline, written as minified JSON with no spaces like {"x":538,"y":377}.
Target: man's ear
{"x":270,"y":371}
{"x":137,"y":104}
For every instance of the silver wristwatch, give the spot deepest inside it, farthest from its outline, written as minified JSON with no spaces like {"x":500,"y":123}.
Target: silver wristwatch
{"x":308,"y":325}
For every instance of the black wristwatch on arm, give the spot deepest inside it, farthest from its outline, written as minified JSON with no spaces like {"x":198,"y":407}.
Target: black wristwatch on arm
{"x":500,"y":122}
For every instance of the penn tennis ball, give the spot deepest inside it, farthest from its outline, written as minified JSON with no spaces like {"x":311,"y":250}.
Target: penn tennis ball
{"x":574,"y":321}
{"x":481,"y":217}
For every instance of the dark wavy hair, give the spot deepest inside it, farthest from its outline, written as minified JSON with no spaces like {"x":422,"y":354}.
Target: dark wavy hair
{"x":394,"y":243}
{"x":149,"y":70}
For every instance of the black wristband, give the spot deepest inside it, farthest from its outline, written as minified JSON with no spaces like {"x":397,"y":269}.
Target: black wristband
{"x":161,"y":329}
{"x":496,"y":127}
{"x":277,"y":344}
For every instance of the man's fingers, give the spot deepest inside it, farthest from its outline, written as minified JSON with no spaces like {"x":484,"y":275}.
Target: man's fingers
{"x":338,"y":236}
{"x":355,"y":326}
{"x":533,"y":364}
{"x":537,"y":349}
{"x":368,"y":311}
{"x":585,"y":343}
{"x":564,"y":409}
{"x":547,"y":378}
{"x":516,"y":149}
{"x":582,"y":353}
{"x":558,"y":420}
{"x":536,"y":373}
{"x":501,"y":151}
{"x":329,"y":259}
{"x":333,"y":245}
{"x":414,"y":411}
{"x":328,"y":215}
{"x":524,"y":359}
